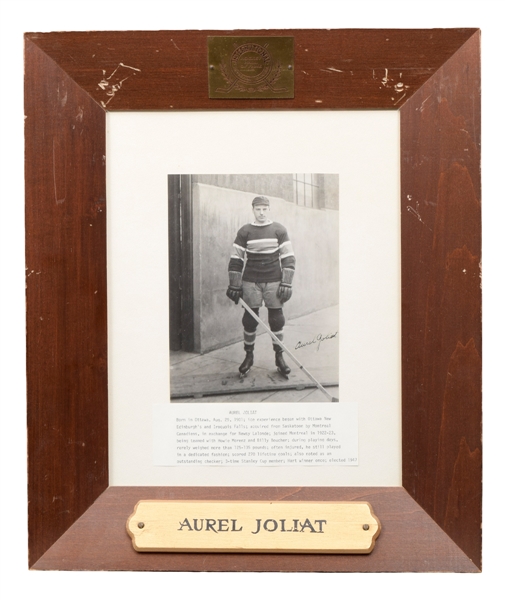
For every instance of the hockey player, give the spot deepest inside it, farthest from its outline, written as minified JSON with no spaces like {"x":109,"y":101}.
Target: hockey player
{"x":261,"y":269}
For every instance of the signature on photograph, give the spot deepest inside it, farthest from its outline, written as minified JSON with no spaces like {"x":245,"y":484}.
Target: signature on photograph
{"x":317,"y":339}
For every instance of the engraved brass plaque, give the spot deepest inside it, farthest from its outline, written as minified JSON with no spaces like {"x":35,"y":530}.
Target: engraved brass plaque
{"x":251,"y":67}
{"x":226,"y":526}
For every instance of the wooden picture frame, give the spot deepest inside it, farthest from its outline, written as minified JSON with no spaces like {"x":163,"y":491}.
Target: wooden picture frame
{"x":77,"y":522}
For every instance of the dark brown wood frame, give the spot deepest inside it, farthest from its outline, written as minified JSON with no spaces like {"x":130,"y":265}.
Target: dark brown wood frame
{"x":433,"y":522}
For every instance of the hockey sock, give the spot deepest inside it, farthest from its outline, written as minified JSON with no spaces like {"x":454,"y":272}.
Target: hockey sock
{"x":250,"y":326}
{"x":276,"y":320}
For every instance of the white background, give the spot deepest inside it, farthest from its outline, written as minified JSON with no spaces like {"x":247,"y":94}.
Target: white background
{"x":138,"y":160}
{"x":19,"y":16}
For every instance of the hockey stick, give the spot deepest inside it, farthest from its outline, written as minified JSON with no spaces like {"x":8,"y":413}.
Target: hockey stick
{"x":277,"y":341}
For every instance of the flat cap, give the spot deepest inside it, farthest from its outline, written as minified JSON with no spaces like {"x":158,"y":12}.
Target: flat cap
{"x":261,"y":200}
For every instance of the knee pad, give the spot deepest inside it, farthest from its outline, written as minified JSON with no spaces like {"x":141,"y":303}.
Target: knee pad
{"x":248,"y":321}
{"x":276,"y":319}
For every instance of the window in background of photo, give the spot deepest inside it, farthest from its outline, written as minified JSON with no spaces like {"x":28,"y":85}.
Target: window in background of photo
{"x":315,"y":190}
{"x":305,"y":189}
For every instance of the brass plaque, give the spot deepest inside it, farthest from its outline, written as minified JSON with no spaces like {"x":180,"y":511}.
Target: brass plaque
{"x":251,"y":67}
{"x":304,"y":527}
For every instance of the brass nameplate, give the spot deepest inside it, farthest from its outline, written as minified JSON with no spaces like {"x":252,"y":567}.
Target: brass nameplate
{"x":251,"y":67}
{"x":314,"y":527}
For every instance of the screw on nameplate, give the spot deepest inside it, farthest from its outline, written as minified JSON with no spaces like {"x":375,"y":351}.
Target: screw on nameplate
{"x":227,"y":526}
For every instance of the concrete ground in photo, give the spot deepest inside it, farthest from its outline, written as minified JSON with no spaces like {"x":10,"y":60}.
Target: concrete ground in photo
{"x":213,"y":377}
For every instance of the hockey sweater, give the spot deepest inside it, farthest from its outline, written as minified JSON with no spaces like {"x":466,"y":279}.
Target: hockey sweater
{"x":264,"y":250}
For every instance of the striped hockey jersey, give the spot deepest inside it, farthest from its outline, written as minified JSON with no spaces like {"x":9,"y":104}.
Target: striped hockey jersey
{"x":264,"y":249}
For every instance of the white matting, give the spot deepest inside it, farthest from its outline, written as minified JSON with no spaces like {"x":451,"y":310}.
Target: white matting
{"x":363,"y":147}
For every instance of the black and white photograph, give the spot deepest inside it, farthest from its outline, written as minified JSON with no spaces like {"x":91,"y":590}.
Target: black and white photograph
{"x":254,"y":287}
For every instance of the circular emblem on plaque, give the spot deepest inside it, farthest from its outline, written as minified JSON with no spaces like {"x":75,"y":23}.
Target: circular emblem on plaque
{"x":251,"y":63}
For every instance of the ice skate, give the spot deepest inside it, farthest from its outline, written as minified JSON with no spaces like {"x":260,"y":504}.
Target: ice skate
{"x":245,"y":367}
{"x":282,"y":367}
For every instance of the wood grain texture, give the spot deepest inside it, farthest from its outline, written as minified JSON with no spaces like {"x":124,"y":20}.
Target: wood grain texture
{"x":441,"y":297}
{"x":409,"y":540}
{"x":66,"y":295}
{"x":344,"y":69}
{"x":72,"y":79}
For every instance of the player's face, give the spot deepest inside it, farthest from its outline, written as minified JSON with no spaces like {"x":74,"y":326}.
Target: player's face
{"x":261,"y":213}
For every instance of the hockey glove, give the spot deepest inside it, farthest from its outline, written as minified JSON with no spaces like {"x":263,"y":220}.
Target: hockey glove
{"x":286,"y":286}
{"x":234,"y":291}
